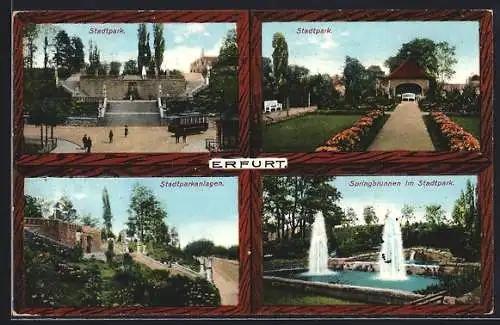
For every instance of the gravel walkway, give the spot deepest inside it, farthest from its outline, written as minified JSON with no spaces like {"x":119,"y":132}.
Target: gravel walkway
{"x":404,"y":130}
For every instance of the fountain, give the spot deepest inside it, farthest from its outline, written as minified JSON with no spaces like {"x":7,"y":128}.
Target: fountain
{"x":391,"y":257}
{"x":318,"y":249}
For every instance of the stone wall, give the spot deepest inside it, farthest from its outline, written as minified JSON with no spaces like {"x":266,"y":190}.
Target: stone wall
{"x":421,"y":254}
{"x":340,"y":264}
{"x":117,"y":88}
{"x":345,"y":292}
{"x":95,"y":244}
{"x":63,"y":232}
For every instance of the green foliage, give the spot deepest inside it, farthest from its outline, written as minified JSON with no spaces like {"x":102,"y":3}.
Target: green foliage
{"x":354,"y":80}
{"x":280,"y":64}
{"x":349,"y":241}
{"x":33,"y":207}
{"x":64,"y":210}
{"x":435,"y":214}
{"x":146,"y":216}
{"x":110,"y":253}
{"x":142,"y":44}
{"x":130,"y":67}
{"x":159,"y":45}
{"x":369,"y":215}
{"x":107,"y":216}
{"x":77,"y":57}
{"x":88,"y":220}
{"x":202,"y":247}
{"x":322,"y":92}
{"x":114,"y":68}
{"x":456,"y":285}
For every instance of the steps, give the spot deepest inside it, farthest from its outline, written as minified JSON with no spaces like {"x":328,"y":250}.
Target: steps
{"x":132,"y":113}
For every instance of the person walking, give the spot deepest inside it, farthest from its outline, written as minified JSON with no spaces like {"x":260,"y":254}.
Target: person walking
{"x":89,"y":144}
{"x":177,"y":136}
{"x":85,"y":140}
{"x":126,"y":130}
{"x":184,"y":138}
{"x":110,"y":136}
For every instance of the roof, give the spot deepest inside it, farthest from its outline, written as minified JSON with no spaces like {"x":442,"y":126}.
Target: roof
{"x":408,"y":69}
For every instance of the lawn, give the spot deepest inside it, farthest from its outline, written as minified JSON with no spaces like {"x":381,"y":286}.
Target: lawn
{"x":281,"y":296}
{"x":469,"y":123}
{"x":305,"y":133}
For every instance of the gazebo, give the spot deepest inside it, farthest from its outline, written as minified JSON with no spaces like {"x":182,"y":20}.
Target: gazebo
{"x":408,"y":77}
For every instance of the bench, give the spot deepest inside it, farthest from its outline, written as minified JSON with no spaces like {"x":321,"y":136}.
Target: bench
{"x":272,"y":105}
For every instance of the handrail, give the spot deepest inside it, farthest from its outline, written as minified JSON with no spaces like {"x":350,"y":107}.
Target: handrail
{"x":429,"y":298}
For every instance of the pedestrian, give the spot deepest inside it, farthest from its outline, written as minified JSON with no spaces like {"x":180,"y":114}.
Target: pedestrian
{"x":84,"y":140}
{"x":126,"y":130}
{"x":110,"y":136}
{"x":89,"y":144}
{"x":177,"y":136}
{"x":184,"y":138}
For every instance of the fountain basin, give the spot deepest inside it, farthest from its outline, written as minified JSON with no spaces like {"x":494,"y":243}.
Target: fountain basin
{"x":359,"y":279}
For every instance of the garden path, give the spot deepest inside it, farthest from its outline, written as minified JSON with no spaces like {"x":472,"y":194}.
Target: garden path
{"x":404,"y":130}
{"x":225,"y":276}
{"x":64,"y":146}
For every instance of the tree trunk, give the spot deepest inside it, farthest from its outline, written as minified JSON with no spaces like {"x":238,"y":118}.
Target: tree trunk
{"x":52,"y":132}
{"x":46,"y":134}
{"x":41,"y":135}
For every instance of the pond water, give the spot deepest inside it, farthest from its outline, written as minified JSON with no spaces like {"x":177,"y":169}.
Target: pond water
{"x":363,"y":279}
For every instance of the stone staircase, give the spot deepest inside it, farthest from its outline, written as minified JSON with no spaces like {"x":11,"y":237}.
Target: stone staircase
{"x":132,"y":113}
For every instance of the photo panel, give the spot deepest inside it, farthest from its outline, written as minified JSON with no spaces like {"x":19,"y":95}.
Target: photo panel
{"x":142,"y":87}
{"x":341,"y":245}
{"x":348,"y":85}
{"x":131,"y":243}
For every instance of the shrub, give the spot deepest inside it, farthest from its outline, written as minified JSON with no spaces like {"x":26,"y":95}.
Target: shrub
{"x":456,"y":138}
{"x":456,"y":285}
{"x":355,"y":137}
{"x":110,"y":252}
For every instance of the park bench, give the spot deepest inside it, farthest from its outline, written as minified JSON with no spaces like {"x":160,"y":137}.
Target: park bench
{"x":271,"y":106}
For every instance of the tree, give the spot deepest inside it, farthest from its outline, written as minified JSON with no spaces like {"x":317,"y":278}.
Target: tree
{"x":142,"y":38}
{"x":33,"y":207}
{"x":146,"y":214}
{"x":373,"y":74}
{"x":103,"y":69}
{"x":63,"y":55}
{"x":269,"y":83}
{"x":436,"y":59}
{"x":114,"y":68}
{"x":350,"y":217}
{"x":64,"y":210}
{"x":130,"y":67}
{"x":369,"y":215}
{"x":94,"y":59}
{"x":322,"y":92}
{"x":77,"y":57}
{"x":88,"y":220}
{"x":354,"y":79}
{"x":280,"y":64}
{"x":435,"y":214}
{"x":202,"y":247}
{"x":290,"y":204}
{"x":148,"y":58}
{"x":407,"y":213}
{"x":297,"y":79}
{"x":107,"y":216}
{"x":174,"y":237}
{"x":223,"y":81}
{"x":466,"y":216}
{"x":159,"y":46}
{"x":56,"y":112}
{"x":30,"y":34}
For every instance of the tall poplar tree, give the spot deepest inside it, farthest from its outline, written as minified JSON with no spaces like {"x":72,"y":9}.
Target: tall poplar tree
{"x":107,"y":216}
{"x":159,"y":46}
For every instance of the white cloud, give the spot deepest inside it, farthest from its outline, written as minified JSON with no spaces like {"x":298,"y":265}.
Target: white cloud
{"x":186,"y":30}
{"x":80,"y":196}
{"x":224,"y":233}
{"x":180,"y":57}
{"x":319,"y":64}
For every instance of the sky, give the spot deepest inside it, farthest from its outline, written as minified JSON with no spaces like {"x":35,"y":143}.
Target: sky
{"x":201,"y":212}
{"x":183,"y":41}
{"x":371,"y":43}
{"x":393,"y":198}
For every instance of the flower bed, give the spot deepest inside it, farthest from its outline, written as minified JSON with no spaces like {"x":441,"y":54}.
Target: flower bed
{"x":452,"y":135}
{"x":356,"y":137}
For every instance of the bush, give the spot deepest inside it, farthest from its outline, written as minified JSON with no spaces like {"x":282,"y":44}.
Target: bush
{"x":110,"y":253}
{"x":457,"y":285}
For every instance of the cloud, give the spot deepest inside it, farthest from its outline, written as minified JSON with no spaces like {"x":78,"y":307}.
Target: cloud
{"x":180,"y":57}
{"x":319,"y":63}
{"x":80,"y":196}
{"x":183,"y":32}
{"x":223,"y":233}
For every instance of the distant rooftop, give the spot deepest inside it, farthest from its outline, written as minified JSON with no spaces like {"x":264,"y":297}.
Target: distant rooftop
{"x":408,"y":69}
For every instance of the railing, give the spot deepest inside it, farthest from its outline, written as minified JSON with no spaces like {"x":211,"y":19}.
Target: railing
{"x":212,"y":145}
{"x":433,"y":298}
{"x":160,"y":107}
